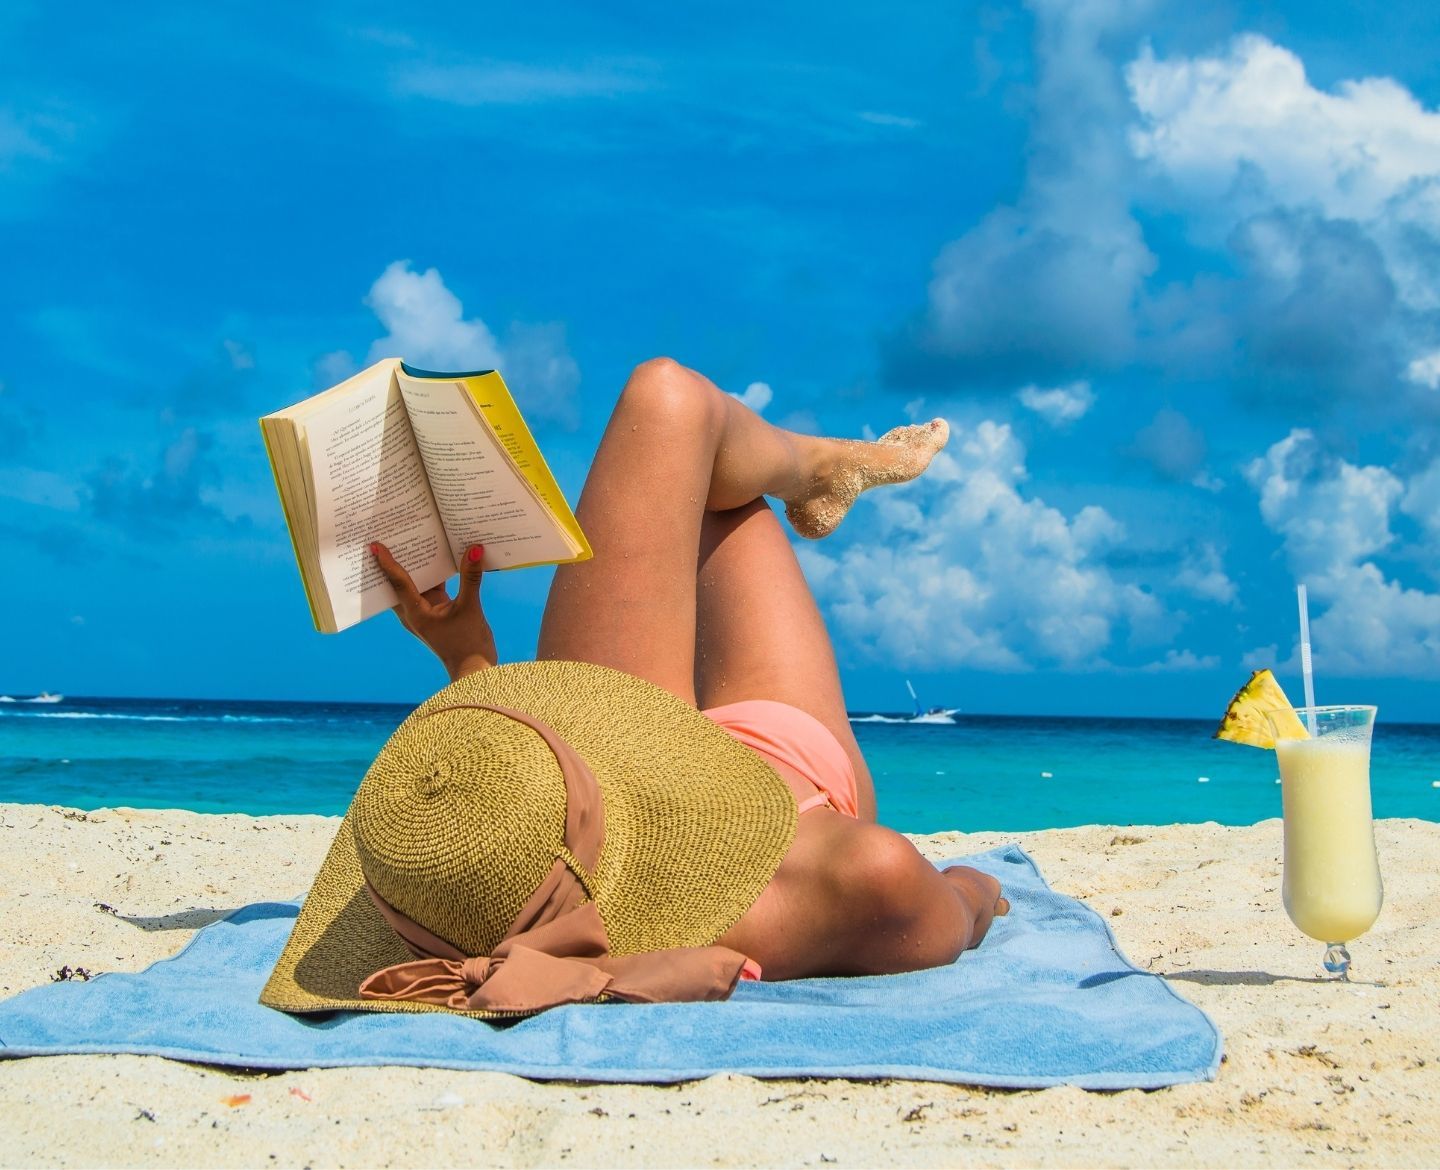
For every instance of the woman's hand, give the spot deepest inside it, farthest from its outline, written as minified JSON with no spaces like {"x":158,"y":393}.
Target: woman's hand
{"x":454,"y":628}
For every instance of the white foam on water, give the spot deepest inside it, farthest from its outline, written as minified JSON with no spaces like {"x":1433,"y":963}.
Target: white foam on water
{"x":123,"y":716}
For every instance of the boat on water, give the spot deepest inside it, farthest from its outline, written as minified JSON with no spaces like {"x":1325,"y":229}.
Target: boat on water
{"x":42,"y":697}
{"x":941,"y":715}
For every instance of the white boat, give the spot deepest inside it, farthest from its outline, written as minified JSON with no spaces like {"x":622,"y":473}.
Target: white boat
{"x":45,"y":697}
{"x":941,"y":715}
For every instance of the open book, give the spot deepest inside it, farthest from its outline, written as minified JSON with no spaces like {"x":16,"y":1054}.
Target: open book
{"x":427,"y":464}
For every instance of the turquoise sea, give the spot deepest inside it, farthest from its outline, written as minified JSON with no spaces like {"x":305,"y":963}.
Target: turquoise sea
{"x":983,"y":772}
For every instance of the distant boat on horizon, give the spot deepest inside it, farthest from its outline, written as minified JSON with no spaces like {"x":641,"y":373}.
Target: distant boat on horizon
{"x":940,"y":715}
{"x":42,"y":697}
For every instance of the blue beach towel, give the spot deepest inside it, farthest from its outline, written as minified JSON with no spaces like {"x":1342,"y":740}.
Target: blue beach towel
{"x":1046,"y":1000}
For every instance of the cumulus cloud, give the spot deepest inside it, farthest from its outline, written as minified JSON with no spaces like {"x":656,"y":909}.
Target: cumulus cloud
{"x":1319,"y":307}
{"x":961,"y":568}
{"x":427,"y":322}
{"x":1202,"y":574}
{"x":1248,"y":125}
{"x":427,"y":327}
{"x":1330,"y":201}
{"x":1425,"y":370}
{"x":756,"y":396}
{"x":1176,"y":661}
{"x":1048,"y":284}
{"x":1059,"y":406}
{"x":1334,"y":519}
{"x":1421,"y":502}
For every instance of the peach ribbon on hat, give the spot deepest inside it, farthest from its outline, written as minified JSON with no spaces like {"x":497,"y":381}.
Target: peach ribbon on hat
{"x":556,"y":951}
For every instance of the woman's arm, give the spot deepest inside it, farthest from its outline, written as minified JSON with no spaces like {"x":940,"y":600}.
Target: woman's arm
{"x":454,"y":628}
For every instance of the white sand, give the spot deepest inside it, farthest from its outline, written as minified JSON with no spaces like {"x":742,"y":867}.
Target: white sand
{"x":1317,"y":1074}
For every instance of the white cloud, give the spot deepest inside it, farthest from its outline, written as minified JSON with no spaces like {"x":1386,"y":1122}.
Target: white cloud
{"x":756,"y":396}
{"x":428,"y":328}
{"x":1176,"y":661}
{"x":1050,"y":283}
{"x":1243,"y":133}
{"x":962,"y":569}
{"x":1425,"y":370}
{"x":1059,"y":406}
{"x":427,"y":322}
{"x":1202,"y":574}
{"x":1251,"y":116}
{"x":1333,"y":518}
{"x":1421,"y":502}
{"x":1330,"y":512}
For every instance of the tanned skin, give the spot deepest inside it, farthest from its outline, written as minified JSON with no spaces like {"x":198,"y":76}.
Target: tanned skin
{"x":695,"y":587}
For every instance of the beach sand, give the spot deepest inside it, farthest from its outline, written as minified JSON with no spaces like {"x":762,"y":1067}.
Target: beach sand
{"x":1316,"y":1073}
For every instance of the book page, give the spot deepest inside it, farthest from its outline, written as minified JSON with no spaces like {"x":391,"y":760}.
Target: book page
{"x":480,"y":496}
{"x":492,"y":399}
{"x":370,"y":485}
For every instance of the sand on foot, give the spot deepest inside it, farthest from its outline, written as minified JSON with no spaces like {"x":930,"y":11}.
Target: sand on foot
{"x":1316,"y":1073}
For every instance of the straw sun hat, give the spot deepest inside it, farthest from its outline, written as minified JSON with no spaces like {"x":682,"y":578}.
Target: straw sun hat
{"x":470,"y":814}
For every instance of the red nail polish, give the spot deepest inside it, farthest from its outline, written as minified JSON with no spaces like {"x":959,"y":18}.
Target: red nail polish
{"x":475,"y":553}
{"x":374,"y":548}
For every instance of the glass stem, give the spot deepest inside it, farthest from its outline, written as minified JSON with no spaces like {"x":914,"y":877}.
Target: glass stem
{"x":1337,"y":960}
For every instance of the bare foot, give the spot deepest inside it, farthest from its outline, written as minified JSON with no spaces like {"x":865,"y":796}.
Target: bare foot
{"x":982,"y":897}
{"x":844,"y":468}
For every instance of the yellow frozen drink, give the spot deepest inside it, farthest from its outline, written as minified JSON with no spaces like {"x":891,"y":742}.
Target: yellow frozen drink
{"x":1332,"y":885}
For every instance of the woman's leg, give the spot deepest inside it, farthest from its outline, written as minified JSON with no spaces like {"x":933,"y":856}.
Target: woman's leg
{"x":849,"y":896}
{"x":759,"y":633}
{"x":676,"y":448}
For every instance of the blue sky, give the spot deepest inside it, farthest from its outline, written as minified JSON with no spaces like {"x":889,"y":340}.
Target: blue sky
{"x":1173,"y":276}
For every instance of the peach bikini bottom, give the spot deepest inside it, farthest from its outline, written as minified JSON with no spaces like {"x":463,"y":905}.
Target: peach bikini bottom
{"x":799,"y":747}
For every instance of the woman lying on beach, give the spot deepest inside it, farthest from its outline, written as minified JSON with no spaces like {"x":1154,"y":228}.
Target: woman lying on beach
{"x":694,"y":587}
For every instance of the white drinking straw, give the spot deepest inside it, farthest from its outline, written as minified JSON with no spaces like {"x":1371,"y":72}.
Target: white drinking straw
{"x":1305,"y":656}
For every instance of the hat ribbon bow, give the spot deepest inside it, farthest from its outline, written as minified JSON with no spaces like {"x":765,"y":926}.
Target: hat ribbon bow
{"x":556,"y":951}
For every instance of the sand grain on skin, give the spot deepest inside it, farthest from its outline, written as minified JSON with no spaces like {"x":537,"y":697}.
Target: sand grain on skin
{"x":898,"y":456}
{"x":1317,"y":1074}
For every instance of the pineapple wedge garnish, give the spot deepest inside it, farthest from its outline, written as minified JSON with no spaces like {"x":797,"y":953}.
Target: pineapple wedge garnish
{"x":1245,"y":720}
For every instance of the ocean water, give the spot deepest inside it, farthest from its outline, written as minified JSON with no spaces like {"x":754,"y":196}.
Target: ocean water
{"x":1011,"y":773}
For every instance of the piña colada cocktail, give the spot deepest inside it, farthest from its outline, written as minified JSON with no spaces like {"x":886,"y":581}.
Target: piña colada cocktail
{"x":1331,"y":887}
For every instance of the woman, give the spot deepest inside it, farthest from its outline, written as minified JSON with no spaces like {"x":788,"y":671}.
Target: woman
{"x":695,"y":588}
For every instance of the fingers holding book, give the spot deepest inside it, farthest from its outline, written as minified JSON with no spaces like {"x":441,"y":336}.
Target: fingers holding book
{"x":455,"y":628}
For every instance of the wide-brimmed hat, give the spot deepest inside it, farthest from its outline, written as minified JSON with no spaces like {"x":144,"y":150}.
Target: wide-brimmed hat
{"x":462,"y":818}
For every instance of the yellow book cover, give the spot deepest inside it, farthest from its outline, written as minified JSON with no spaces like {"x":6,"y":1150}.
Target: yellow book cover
{"x":427,"y":463}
